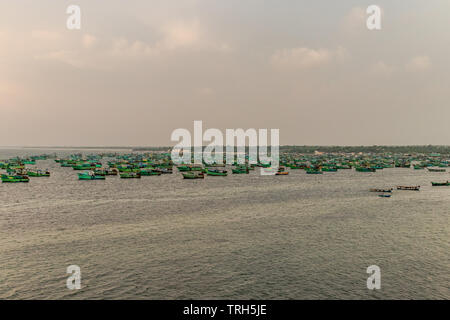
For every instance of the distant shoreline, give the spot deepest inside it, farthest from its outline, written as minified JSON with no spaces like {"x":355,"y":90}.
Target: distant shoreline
{"x":441,"y":149}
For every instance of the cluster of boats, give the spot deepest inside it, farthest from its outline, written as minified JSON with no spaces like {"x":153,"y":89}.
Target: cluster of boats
{"x":137,"y":165}
{"x":16,"y":170}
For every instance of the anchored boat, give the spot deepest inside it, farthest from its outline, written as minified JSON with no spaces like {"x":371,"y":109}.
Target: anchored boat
{"x":90,"y":176}
{"x":193,"y":175}
{"x":381,"y":190}
{"x":384,"y":195}
{"x":440,"y":184}
{"x":409,"y":188}
{"x":240,"y":170}
{"x":38,"y":173}
{"x":130,"y":175}
{"x":281,"y":172}
{"x":216,"y":172}
{"x":14,"y":178}
{"x":150,"y":172}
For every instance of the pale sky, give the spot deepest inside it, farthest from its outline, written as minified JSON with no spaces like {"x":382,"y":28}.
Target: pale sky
{"x":138,"y":69}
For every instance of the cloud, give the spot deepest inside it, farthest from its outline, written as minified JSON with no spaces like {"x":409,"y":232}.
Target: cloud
{"x":88,"y":41}
{"x":305,"y":58}
{"x":71,"y":58}
{"x":122,"y":47}
{"x":173,"y":36}
{"x":180,"y":34}
{"x":418,"y":64}
{"x":382,"y":69}
{"x":45,"y":35}
{"x":355,"y":20}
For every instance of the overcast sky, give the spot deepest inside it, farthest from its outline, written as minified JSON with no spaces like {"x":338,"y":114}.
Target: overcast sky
{"x":137,"y":70}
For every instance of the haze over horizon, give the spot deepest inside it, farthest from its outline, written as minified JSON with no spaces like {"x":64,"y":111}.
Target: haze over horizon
{"x":137,"y":71}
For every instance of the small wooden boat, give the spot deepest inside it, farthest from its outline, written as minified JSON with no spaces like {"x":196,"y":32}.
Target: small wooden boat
{"x":38,"y":173}
{"x":90,"y":176}
{"x":440,"y":184}
{"x":281,"y":172}
{"x":130,"y":175}
{"x":112,"y":172}
{"x":381,"y":190}
{"x":193,"y":175}
{"x":385,"y":195}
{"x":150,"y":172}
{"x":409,"y":188}
{"x":365,"y":169}
{"x":165,"y":170}
{"x":436,"y":169}
{"x":216,"y":172}
{"x":14,"y":178}
{"x":240,"y":170}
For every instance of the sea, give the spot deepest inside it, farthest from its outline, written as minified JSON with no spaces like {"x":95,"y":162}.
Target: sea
{"x":237,"y":237}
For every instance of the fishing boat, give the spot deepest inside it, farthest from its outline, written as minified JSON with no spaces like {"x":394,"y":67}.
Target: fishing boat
{"x":409,"y":188}
{"x":150,"y":172}
{"x":112,"y":172}
{"x":313,"y":171}
{"x":89,"y":176}
{"x":84,"y":167}
{"x":130,"y":175}
{"x":440,"y":184}
{"x":380,"y":190}
{"x":14,"y":178}
{"x":196,"y":167}
{"x":240,"y":170}
{"x":38,"y":173}
{"x":183,"y":168}
{"x":193,"y":175}
{"x":165,"y":170}
{"x":216,"y":172}
{"x":282,"y":172}
{"x":436,"y":169}
{"x":365,"y":169}
{"x":384,"y":195}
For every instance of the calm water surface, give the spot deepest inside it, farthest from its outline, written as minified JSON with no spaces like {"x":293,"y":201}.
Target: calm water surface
{"x":239,"y":237}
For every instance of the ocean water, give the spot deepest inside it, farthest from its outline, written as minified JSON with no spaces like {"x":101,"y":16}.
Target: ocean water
{"x":238,"y":237}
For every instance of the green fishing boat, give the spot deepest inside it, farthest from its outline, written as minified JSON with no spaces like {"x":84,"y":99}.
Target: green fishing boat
{"x":83,"y":167}
{"x":193,"y":175}
{"x":313,"y":171}
{"x":112,"y":172}
{"x":14,"y":178}
{"x":365,"y":169}
{"x":130,"y":175}
{"x":440,"y":184}
{"x":146,"y":172}
{"x":90,"y":176}
{"x":240,"y":170}
{"x":38,"y":173}
{"x":216,"y":172}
